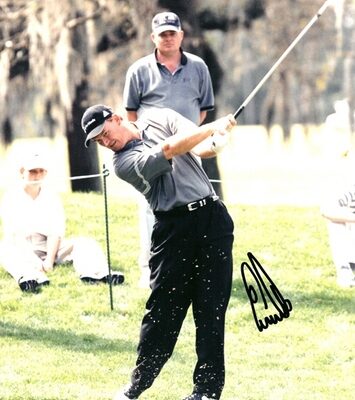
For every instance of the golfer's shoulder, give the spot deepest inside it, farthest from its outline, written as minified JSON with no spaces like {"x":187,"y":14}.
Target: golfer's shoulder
{"x":163,"y":120}
{"x":157,"y":114}
{"x":165,"y":112}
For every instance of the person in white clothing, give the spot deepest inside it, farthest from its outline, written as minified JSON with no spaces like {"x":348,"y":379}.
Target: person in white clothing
{"x":340,"y":215}
{"x":33,"y":222}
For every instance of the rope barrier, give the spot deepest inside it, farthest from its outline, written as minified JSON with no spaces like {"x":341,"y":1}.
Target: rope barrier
{"x":69,"y":178}
{"x":73,"y":178}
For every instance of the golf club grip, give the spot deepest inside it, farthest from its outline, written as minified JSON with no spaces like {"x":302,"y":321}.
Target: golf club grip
{"x":238,"y":112}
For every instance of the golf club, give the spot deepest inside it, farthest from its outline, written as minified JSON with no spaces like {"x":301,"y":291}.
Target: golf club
{"x":282,"y":57}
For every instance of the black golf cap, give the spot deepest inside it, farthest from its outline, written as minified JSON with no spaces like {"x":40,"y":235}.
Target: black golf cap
{"x":93,"y":121}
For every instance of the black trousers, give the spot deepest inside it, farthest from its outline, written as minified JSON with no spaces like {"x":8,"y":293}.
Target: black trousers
{"x":191,"y":263}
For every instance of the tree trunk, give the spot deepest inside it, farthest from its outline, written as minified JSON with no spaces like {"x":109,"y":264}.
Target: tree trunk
{"x":285,"y":110}
{"x":82,"y":161}
{"x":349,"y":63}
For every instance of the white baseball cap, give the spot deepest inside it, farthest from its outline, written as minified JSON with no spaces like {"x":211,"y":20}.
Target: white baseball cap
{"x":166,"y":21}
{"x":34,"y":161}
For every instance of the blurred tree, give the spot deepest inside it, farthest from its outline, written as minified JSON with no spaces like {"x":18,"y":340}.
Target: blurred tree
{"x":47,"y":50}
{"x":56,"y":57}
{"x":290,"y":95}
{"x":345,"y":12}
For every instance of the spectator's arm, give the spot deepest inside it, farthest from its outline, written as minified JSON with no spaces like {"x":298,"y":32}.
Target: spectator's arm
{"x":52,"y":249}
{"x":132,"y":115}
{"x":203,"y":115}
{"x":338,"y":214}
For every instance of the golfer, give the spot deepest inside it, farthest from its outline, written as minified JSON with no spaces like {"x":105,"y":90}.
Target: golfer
{"x":191,"y":258}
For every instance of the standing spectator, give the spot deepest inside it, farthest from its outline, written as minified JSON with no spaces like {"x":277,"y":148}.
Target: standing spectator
{"x":168,"y":78}
{"x":339,"y":207}
{"x":340,"y":215}
{"x":337,"y":129}
{"x":192,"y":239}
{"x":34,"y":223}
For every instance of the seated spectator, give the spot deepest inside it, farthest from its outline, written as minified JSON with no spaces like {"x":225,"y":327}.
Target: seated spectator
{"x":33,"y":222}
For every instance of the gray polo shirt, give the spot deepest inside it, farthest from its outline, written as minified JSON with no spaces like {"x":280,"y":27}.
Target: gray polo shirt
{"x":166,"y":184}
{"x":188,"y":90}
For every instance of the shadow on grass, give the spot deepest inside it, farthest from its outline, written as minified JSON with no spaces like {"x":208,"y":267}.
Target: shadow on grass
{"x":84,"y":343}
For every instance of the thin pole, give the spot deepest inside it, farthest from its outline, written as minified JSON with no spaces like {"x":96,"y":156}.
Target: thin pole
{"x":106,"y":173}
{"x":283,"y":56}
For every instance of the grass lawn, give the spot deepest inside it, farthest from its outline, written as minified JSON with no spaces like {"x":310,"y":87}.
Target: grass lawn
{"x":66,"y":343}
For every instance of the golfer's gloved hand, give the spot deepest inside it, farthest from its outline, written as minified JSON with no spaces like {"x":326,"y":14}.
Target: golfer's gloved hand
{"x":220,"y":136}
{"x":219,"y":141}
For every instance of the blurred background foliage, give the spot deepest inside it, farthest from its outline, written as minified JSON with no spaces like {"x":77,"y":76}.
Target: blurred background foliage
{"x":58,"y":57}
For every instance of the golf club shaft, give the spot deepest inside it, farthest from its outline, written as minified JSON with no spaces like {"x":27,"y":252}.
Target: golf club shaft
{"x":283,"y":56}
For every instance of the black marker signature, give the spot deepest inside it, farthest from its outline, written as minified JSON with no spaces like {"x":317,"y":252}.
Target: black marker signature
{"x":267,"y":290}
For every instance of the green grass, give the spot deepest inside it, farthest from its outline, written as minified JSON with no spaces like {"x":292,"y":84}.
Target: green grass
{"x":65,"y":343}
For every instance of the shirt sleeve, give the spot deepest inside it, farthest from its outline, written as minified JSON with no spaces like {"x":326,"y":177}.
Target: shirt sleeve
{"x":131,"y":92}
{"x":140,"y":169}
{"x":207,"y":96}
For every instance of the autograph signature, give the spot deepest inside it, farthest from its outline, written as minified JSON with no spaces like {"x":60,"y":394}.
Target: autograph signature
{"x":267,"y":291}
